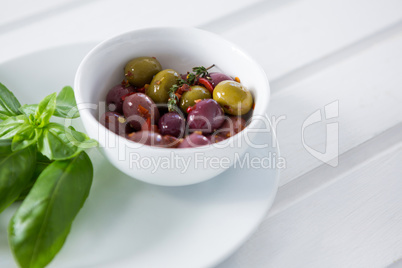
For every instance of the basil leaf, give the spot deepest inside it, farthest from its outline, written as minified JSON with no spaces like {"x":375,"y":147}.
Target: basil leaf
{"x":28,"y":109}
{"x":80,"y":139}
{"x":45,"y":110}
{"x":25,"y":137}
{"x":12,"y":125}
{"x":8,"y":103}
{"x":42,"y":162}
{"x":16,"y":169}
{"x":39,"y":228}
{"x":55,"y":144}
{"x":66,"y":105}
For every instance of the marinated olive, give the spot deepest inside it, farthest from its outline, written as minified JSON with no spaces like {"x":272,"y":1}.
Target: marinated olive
{"x":149,"y":127}
{"x":170,"y":141}
{"x":195,"y":93}
{"x":214,"y":138}
{"x":140,"y":71}
{"x":231,"y":126}
{"x":172,"y":124}
{"x":160,"y":85}
{"x":114,"y":98}
{"x":146,"y":137}
{"x":153,"y":139}
{"x":116,"y":123}
{"x":234,"y":98}
{"x":194,"y":140}
{"x":216,"y":78}
{"x":207,"y":116}
{"x":138,"y":108}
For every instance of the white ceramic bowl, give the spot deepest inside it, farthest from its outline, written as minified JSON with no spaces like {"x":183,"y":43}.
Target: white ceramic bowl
{"x":180,"y":49}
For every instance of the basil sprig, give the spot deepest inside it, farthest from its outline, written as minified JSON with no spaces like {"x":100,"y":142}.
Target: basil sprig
{"x":44,"y":164}
{"x":33,"y":127}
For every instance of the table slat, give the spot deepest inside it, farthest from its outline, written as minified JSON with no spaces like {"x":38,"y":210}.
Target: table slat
{"x":355,"y":222}
{"x":367,"y":87}
{"x":289,"y":36}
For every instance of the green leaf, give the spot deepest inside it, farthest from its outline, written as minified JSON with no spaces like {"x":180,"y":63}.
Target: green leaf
{"x":39,"y":228}
{"x":42,"y":162}
{"x":80,"y":139}
{"x":45,"y":110}
{"x":12,"y":125}
{"x":8,"y":103}
{"x":59,"y":143}
{"x":28,"y":109}
{"x":66,"y":105}
{"x":3,"y":116}
{"x":25,"y":137}
{"x":16,"y":169}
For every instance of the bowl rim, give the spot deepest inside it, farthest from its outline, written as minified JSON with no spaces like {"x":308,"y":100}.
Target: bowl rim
{"x":93,"y":122}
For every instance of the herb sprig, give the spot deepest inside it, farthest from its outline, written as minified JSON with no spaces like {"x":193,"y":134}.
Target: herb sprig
{"x":190,"y":80}
{"x":43,"y":163}
{"x":173,"y":98}
{"x":200,"y":71}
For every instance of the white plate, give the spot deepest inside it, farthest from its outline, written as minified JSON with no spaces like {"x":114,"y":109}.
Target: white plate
{"x":127,"y":223}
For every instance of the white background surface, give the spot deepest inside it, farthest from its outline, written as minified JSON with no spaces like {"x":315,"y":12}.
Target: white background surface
{"x":314,"y":53}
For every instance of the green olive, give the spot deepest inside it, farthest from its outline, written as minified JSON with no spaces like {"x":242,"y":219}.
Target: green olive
{"x":160,"y":85}
{"x":233,"y":97}
{"x":195,"y":93}
{"x":140,"y":71}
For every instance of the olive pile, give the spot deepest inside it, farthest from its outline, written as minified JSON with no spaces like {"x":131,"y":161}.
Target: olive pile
{"x":163,"y":108}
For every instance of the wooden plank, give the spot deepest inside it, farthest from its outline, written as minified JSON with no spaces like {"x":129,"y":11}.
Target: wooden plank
{"x":354,"y":222}
{"x":18,"y":12}
{"x":324,"y":175}
{"x":98,"y":20}
{"x":282,"y":35}
{"x":287,"y":35}
{"x":367,"y":87}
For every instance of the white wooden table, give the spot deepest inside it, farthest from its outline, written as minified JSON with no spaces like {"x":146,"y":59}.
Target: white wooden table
{"x":344,"y":54}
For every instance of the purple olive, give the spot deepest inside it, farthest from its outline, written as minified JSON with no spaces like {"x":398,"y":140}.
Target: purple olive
{"x":146,"y":126}
{"x":216,"y":78}
{"x":170,"y":141}
{"x":146,"y":137}
{"x":172,"y":124}
{"x":194,"y":140}
{"x":214,"y":138}
{"x":138,"y":108}
{"x":153,"y":139}
{"x":116,"y":123}
{"x":206,"y":116}
{"x":231,"y":126}
{"x":114,"y":99}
